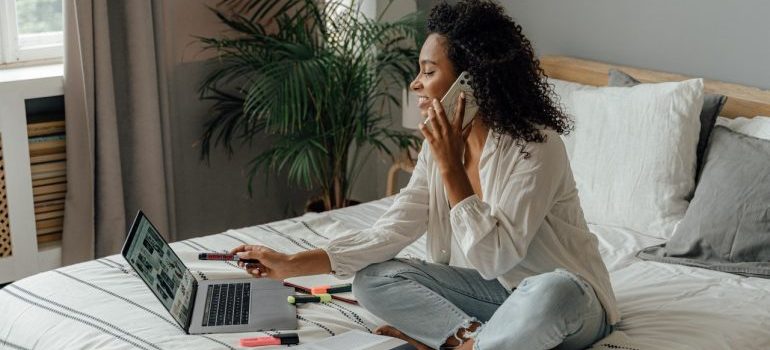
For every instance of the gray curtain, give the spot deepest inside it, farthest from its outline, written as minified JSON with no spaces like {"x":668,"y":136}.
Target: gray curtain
{"x":118,"y":149}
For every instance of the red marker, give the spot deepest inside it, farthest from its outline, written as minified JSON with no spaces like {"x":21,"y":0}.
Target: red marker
{"x":225,"y":257}
{"x":278,"y":339}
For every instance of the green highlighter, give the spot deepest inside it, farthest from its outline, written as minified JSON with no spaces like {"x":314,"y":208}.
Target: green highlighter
{"x":301,"y":298}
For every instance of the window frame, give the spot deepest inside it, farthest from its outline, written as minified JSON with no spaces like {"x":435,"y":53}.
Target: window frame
{"x":11,"y":50}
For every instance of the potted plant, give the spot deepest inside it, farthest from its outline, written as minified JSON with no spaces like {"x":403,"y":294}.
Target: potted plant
{"x":314,"y":78}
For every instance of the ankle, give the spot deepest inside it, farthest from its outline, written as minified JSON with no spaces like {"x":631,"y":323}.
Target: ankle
{"x":462,"y":339}
{"x":466,"y":345}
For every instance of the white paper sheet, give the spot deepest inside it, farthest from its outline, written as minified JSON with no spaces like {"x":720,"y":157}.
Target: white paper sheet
{"x":357,"y":340}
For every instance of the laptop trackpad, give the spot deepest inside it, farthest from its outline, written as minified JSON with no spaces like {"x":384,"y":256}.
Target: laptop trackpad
{"x":270,"y":310}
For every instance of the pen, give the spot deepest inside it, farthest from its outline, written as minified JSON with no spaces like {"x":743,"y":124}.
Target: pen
{"x":339,"y":288}
{"x":225,"y":257}
{"x":299,"y":299}
{"x":278,"y":339}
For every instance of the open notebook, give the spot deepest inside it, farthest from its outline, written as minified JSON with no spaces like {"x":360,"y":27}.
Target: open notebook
{"x":357,"y":340}
{"x":304,"y":284}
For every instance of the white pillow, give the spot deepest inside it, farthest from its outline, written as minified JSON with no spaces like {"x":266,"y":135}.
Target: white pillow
{"x":563,"y":91}
{"x":758,"y":127}
{"x":634,"y":157}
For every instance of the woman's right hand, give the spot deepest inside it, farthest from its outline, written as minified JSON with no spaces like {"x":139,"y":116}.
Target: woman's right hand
{"x":280,"y":266}
{"x":270,"y":264}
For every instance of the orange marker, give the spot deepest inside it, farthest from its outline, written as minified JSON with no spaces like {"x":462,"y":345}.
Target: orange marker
{"x":339,"y":288}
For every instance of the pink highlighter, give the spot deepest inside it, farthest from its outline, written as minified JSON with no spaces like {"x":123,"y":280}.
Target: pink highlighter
{"x":278,"y":339}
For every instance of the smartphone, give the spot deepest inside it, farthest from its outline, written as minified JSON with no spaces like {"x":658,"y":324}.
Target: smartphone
{"x":449,"y":101}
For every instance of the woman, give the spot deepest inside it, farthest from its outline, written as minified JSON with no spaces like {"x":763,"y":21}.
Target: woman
{"x":513,"y":265}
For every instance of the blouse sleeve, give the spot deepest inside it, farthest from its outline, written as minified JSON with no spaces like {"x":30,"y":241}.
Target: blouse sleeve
{"x":495,"y":236}
{"x":403,"y":223}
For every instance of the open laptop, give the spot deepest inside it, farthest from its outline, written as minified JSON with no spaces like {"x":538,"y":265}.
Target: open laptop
{"x":223,"y":306}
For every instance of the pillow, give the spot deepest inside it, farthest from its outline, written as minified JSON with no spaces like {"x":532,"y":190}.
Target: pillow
{"x":712,"y":105}
{"x":758,"y":127}
{"x":563,"y":91}
{"x":634,"y":155}
{"x":727,"y":225}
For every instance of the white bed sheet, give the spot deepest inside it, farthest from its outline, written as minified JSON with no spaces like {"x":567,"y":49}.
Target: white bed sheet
{"x":666,"y":306}
{"x":102,"y":304}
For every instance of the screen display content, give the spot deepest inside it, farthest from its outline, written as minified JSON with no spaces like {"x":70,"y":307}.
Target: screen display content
{"x":161,"y":270}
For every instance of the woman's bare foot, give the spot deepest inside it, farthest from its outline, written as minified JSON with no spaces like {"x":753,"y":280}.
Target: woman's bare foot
{"x":395,"y":333}
{"x":467,"y":345}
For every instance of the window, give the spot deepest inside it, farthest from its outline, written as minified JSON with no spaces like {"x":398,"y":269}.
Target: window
{"x":31,"y":30}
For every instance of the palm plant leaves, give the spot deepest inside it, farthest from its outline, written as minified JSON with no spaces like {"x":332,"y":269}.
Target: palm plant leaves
{"x":311,"y":76}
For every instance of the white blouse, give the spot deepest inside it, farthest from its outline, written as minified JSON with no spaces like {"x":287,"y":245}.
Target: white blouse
{"x":530,"y":221}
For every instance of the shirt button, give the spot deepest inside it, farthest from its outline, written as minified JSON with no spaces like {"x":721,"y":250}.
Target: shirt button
{"x":443,"y":251}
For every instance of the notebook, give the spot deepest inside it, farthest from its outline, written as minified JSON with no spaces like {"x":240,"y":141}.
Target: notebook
{"x":358,"y":340}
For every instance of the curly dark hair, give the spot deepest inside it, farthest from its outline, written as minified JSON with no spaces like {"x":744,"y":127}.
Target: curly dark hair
{"x":513,"y":95}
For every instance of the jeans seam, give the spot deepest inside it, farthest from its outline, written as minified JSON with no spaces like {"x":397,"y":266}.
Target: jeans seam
{"x":450,"y":306}
{"x":440,"y":283}
{"x":464,"y":293}
{"x":581,"y":283}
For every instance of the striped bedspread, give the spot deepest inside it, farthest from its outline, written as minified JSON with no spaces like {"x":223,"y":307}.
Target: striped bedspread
{"x":102,"y":304}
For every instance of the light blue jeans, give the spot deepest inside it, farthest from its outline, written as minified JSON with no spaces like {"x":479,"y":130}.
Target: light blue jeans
{"x":431,"y":302}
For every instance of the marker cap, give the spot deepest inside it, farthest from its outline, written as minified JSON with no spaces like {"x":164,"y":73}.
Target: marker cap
{"x":338,"y":288}
{"x":298,"y":299}
{"x":319,"y":289}
{"x":278,"y":339}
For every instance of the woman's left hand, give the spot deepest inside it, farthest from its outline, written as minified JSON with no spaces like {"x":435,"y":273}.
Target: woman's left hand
{"x":447,"y":139}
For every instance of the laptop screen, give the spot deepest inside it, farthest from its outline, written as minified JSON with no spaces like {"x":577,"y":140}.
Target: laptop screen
{"x":160,"y":268}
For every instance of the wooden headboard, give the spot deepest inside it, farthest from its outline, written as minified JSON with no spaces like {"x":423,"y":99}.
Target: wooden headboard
{"x":741,"y":100}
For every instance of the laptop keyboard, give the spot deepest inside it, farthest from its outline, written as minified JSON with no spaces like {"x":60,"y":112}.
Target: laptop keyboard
{"x":227,"y":304}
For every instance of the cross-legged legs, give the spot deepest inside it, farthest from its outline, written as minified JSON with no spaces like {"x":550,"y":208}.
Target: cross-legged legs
{"x":428,"y":302}
{"x":432,"y":302}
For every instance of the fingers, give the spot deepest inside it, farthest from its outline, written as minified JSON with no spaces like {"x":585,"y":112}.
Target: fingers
{"x":239,"y":248}
{"x":427,"y":132}
{"x":250,"y":255}
{"x":457,"y":122}
{"x":257,"y":270}
{"x":441,"y":122}
{"x":248,"y":252}
{"x":467,"y":131}
{"x":259,"y":261}
{"x":244,"y":248}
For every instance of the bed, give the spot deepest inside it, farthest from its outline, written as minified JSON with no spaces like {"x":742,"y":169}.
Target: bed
{"x":102,"y":304}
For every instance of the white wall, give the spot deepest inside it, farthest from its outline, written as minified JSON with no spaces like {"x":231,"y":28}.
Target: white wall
{"x":717,"y":39}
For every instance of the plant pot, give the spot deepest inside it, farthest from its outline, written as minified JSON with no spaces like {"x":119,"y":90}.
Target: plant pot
{"x":316,"y":204}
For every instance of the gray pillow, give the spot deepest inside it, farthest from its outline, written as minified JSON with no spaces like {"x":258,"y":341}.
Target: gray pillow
{"x":727,"y":225}
{"x":712,"y":105}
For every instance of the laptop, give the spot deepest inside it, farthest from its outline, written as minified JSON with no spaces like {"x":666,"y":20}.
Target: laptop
{"x":216,"y":306}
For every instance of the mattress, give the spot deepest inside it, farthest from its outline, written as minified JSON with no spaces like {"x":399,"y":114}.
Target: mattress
{"x":103,"y":304}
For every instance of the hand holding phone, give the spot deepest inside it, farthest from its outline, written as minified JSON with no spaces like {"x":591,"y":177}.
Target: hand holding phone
{"x":449,"y":101}
{"x":448,"y":135}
